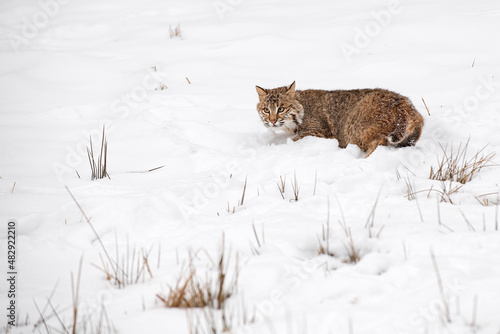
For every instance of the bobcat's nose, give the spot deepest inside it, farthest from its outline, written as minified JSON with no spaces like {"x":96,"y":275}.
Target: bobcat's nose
{"x":273,"y":121}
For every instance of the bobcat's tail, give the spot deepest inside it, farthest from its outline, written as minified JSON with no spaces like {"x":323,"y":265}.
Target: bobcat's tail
{"x":398,"y":135}
{"x":404,"y":135}
{"x":394,"y":138}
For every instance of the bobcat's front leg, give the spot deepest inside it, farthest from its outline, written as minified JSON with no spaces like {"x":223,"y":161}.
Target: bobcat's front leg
{"x":302,"y":134}
{"x":297,"y":137}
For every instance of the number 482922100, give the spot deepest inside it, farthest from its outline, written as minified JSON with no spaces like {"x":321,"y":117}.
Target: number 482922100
{"x":11,"y":245}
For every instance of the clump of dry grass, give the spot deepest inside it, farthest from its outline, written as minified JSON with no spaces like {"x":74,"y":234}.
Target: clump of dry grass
{"x":241,"y":201}
{"x":175,"y":32}
{"x":196,"y":290}
{"x":128,"y":267}
{"x":485,"y":201}
{"x":352,"y":252}
{"x":187,"y":293}
{"x":234,"y":317}
{"x":454,"y":169}
{"x":410,"y":189}
{"x":98,"y":168}
{"x":455,"y":166}
{"x":324,"y":242}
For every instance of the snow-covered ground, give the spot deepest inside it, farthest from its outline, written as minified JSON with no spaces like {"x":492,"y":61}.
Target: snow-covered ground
{"x":188,"y":103}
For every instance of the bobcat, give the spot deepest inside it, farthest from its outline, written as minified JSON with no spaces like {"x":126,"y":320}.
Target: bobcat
{"x":365,"y":117}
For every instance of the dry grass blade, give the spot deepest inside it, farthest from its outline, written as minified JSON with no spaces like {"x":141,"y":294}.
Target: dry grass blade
{"x":370,"y":221}
{"x":42,"y":319}
{"x":425,"y":104}
{"x":469,"y":225}
{"x":315,"y":182}
{"x":441,"y":289}
{"x":255,"y":234}
{"x":295,"y":187}
{"x":255,"y":250}
{"x":56,"y":315}
{"x":496,"y":212}
{"x":229,"y":208}
{"x":76,"y":293}
{"x":148,"y":170}
{"x":281,"y":186}
{"x":324,"y":242}
{"x":474,"y":312}
{"x":93,"y":230}
{"x":244,"y":191}
{"x":419,"y":211}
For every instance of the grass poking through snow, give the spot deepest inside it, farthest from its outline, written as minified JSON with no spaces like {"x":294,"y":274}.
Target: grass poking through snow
{"x":457,"y":167}
{"x":295,"y":188}
{"x":199,"y":290}
{"x":98,"y":165}
{"x":175,"y":32}
{"x":51,"y":319}
{"x":128,"y":267}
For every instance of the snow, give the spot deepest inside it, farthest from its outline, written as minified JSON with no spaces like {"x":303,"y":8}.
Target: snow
{"x":188,"y":103}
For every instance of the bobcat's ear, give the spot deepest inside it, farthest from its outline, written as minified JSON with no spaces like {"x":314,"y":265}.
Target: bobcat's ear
{"x":261,"y":91}
{"x":291,"y":88}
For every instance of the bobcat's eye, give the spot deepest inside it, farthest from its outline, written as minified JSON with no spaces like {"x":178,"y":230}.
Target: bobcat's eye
{"x":281,"y":109}
{"x":266,"y":110}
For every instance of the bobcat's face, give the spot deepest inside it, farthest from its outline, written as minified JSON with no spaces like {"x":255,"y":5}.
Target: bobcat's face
{"x":278,"y":108}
